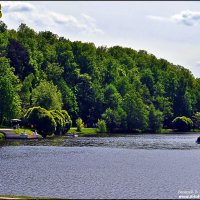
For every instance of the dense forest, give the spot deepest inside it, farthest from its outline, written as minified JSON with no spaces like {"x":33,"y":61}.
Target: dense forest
{"x":128,"y":89}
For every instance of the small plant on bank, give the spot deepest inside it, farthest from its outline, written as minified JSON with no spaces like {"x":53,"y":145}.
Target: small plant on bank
{"x":2,"y":136}
{"x":101,"y":126}
{"x":79,"y":124}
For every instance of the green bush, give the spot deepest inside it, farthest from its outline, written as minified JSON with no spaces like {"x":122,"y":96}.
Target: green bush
{"x":60,"y":121}
{"x":101,"y":126}
{"x":68,"y":121}
{"x":2,"y":136}
{"x":182,"y":123}
{"x":79,"y":124}
{"x":41,"y":120}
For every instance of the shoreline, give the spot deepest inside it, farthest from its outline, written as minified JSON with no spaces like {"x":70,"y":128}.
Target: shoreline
{"x":92,"y":132}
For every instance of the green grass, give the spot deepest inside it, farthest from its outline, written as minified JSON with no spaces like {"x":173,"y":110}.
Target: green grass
{"x":28,"y":131}
{"x":92,"y":132}
{"x":195,"y":130}
{"x":85,"y":132}
{"x":173,"y":131}
{"x":167,"y":131}
{"x":2,"y":137}
{"x":26,"y":197}
{"x":20,"y":130}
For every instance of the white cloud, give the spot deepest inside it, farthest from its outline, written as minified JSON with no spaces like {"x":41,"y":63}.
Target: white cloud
{"x":186,"y":17}
{"x":24,"y":12}
{"x":88,"y":18}
{"x":16,"y":7}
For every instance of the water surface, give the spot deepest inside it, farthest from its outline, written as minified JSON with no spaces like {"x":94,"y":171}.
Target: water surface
{"x":127,"y":167}
{"x":144,"y":141}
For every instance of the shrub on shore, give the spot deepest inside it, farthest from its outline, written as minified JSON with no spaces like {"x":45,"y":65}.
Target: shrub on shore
{"x":101,"y":126}
{"x":79,"y":124}
{"x":48,"y":122}
{"x":40,"y":119}
{"x":68,"y":121}
{"x":2,"y":136}
{"x":182,"y":123}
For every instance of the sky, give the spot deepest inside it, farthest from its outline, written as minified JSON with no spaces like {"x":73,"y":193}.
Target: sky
{"x":167,"y":29}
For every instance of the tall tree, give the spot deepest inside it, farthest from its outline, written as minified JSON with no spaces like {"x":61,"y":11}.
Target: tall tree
{"x":47,"y":95}
{"x":137,"y":115}
{"x":9,"y":87}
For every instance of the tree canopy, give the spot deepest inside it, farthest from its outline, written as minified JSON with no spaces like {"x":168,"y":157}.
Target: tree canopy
{"x":128,"y":89}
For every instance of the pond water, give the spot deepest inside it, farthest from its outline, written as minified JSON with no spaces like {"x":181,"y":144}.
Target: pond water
{"x":125,"y":167}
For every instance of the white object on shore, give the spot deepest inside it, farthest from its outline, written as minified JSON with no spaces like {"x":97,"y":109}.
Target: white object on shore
{"x":35,"y":133}
{"x":72,"y":135}
{"x":23,"y":133}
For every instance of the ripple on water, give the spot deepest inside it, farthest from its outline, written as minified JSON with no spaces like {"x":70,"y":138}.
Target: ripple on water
{"x":100,"y":172}
{"x":147,"y":141}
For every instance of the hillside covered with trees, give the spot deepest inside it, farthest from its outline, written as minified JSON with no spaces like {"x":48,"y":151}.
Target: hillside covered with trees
{"x":128,"y":89}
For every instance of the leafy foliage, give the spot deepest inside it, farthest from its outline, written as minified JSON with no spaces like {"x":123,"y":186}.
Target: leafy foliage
{"x":0,"y":11}
{"x":41,"y":120}
{"x":47,"y":96}
{"x":196,"y":120}
{"x":79,"y":124}
{"x":67,"y":120}
{"x":60,"y":121}
{"x":128,"y":89}
{"x":155,"y":119}
{"x":182,"y":123}
{"x":10,"y":104}
{"x":101,"y":126}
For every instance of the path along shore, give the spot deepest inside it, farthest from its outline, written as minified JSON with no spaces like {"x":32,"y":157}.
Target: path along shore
{"x":10,"y":134}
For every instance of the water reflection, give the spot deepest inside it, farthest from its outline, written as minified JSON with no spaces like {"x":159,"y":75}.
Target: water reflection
{"x":146,"y":141}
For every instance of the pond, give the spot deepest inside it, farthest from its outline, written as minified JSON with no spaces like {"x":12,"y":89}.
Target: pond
{"x":125,"y":167}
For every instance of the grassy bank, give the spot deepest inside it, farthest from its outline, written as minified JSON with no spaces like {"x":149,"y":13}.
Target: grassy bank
{"x":24,"y":197}
{"x":20,"y":130}
{"x":86,"y":132}
{"x":165,"y":131}
{"x":92,"y":132}
{"x":28,"y":131}
{"x":2,"y":137}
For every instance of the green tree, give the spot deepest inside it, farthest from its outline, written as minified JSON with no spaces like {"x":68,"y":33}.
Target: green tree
{"x":47,"y":96}
{"x":196,"y":120}
{"x":69,"y":99}
{"x":115,"y":119}
{"x":54,"y":72}
{"x":9,"y":99}
{"x":85,"y":96}
{"x":19,"y":57}
{"x":155,"y":119}
{"x":26,"y":91}
{"x":148,"y":80}
{"x":90,"y":81}
{"x":3,"y":39}
{"x":136,"y":110}
{"x":112,"y":98}
{"x":0,"y":11}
